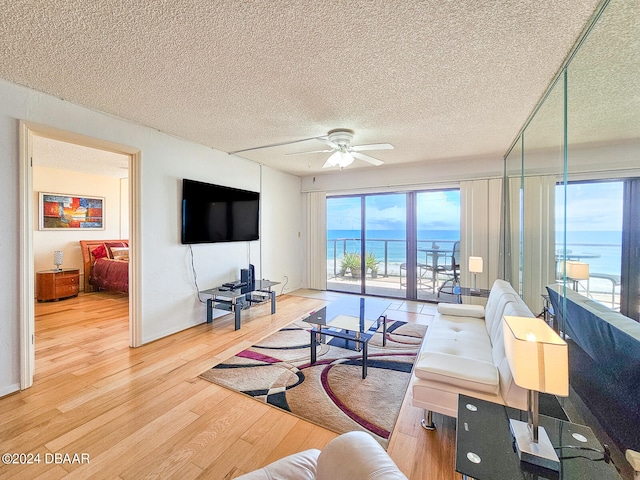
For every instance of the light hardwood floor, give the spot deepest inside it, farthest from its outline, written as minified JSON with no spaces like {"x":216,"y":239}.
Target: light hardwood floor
{"x":144,"y":413}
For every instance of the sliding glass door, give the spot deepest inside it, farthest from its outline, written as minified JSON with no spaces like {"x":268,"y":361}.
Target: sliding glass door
{"x":438,"y":244}
{"x":344,"y":244}
{"x":385,"y":233}
{"x":382,"y":244}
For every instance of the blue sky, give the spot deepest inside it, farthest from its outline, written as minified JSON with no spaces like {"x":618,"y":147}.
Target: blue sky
{"x":439,"y":210}
{"x":594,"y":206}
{"x":591,"y":206}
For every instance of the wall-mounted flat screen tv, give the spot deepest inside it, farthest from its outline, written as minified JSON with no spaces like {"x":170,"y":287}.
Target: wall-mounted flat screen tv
{"x":213,"y":213}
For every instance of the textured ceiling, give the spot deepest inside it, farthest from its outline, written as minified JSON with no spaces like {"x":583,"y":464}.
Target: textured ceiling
{"x":68,"y":156}
{"x":437,"y":79}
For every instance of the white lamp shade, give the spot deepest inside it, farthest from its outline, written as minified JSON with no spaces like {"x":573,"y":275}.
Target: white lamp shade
{"x":577,"y":270}
{"x":340,"y":159}
{"x":475,"y":264}
{"x":57,"y":257}
{"x":537,"y":356}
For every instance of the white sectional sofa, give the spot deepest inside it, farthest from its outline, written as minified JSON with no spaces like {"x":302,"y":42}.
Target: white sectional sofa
{"x":463,"y":352}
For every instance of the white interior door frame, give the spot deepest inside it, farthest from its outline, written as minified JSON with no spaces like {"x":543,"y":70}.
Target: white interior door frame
{"x":27,"y":275}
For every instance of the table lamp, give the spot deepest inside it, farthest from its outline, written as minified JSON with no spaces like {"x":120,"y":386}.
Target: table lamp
{"x":57,"y":260}
{"x":577,"y":271}
{"x":538,"y":359}
{"x":475,"y":267}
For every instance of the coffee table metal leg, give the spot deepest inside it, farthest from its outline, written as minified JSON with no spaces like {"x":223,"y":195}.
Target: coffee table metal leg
{"x":364,"y":360}
{"x":384,"y":329}
{"x":320,"y":337}
{"x":313,"y":346}
{"x":272,"y":293}
{"x":209,"y":310}
{"x":238,"y":312}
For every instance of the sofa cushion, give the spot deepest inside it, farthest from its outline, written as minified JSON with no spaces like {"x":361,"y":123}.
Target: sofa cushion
{"x":499,"y":289}
{"x":495,"y":313}
{"x":461,"y":310}
{"x":462,"y":336}
{"x":459,"y":371}
{"x":497,"y":341}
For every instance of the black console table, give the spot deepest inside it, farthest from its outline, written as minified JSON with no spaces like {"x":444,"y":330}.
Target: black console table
{"x":484,"y":446}
{"x":472,"y":292}
{"x":236,"y":299}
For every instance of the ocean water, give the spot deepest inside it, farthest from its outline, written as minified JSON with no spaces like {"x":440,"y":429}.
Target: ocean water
{"x":384,"y":244}
{"x":601,"y":249}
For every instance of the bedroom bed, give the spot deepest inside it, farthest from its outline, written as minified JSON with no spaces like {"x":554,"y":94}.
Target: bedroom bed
{"x":106,"y":265}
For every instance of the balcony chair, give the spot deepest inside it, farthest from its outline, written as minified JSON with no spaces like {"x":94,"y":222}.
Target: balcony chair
{"x":452,"y":270}
{"x":422,"y":270}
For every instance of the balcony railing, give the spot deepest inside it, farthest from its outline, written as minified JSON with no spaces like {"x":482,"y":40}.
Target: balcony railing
{"x":389,"y":253}
{"x":604,"y":262}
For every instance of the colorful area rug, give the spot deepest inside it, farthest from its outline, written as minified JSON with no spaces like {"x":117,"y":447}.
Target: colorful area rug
{"x":330,"y":393}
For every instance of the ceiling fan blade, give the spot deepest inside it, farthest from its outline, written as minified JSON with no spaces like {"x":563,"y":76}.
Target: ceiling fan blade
{"x":335,"y":146}
{"x":372,"y":146}
{"x":367,"y":158}
{"x":313,"y":151}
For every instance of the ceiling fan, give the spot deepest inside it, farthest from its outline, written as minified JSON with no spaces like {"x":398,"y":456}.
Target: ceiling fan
{"x":342,"y":152}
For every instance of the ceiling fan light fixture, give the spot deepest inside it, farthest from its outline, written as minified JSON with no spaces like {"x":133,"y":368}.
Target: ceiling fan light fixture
{"x":340,"y":159}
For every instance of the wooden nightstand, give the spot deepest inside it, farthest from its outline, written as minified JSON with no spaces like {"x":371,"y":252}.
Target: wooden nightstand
{"x":54,"y":285}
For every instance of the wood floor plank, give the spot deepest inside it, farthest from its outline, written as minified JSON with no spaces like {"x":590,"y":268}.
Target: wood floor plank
{"x":298,"y":441}
{"x":145,"y":413}
{"x":269,"y":432}
{"x":225,"y":467}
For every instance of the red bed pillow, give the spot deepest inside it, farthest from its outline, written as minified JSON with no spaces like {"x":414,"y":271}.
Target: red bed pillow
{"x":99,"y":252}
{"x":111,"y":245}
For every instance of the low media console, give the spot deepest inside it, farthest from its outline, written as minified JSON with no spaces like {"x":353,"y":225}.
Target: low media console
{"x":236,"y":296}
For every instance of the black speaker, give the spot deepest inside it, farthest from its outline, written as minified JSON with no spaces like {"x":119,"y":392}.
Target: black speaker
{"x":247,"y":275}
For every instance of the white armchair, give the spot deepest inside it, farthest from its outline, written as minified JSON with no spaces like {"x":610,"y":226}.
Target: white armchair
{"x":351,"y":456}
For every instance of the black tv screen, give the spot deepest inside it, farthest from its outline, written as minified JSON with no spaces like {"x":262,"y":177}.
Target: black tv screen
{"x":213,"y":213}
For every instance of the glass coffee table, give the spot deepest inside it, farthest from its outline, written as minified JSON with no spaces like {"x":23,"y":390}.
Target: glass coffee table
{"x":351,"y":319}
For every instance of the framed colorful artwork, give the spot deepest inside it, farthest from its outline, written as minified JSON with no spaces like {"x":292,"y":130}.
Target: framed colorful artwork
{"x":70,"y":212}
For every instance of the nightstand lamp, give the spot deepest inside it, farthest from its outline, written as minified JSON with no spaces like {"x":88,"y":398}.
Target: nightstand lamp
{"x":57,"y":260}
{"x":475,"y":267}
{"x":538,"y":359}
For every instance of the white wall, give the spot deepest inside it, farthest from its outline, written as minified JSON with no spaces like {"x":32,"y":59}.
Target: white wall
{"x":169,"y":301}
{"x":281,"y":217}
{"x":10,"y":101}
{"x":124,"y":208}
{"x":53,"y":180}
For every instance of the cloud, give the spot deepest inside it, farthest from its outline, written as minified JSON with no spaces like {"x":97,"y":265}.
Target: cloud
{"x":593,"y":206}
{"x":438,"y":210}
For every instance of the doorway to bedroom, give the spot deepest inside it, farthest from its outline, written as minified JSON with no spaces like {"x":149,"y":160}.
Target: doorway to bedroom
{"x":76,"y":190}
{"x":82,"y":195}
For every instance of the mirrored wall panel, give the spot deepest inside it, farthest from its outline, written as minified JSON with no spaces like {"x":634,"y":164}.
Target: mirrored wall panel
{"x":572,"y":210}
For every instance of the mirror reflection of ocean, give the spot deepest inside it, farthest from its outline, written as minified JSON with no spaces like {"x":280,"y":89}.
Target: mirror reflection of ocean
{"x":607,"y":245}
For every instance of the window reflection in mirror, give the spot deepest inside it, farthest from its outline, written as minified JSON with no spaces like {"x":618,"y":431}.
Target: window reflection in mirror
{"x":593,"y":239}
